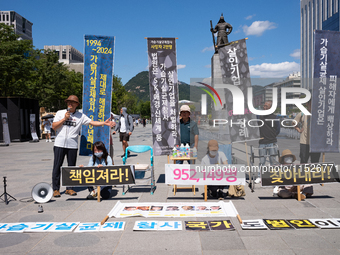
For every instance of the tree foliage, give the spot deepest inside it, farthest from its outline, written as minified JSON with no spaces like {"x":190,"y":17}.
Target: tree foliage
{"x":37,"y":74}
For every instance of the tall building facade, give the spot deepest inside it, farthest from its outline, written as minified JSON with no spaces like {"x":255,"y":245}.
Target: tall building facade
{"x":22,"y":26}
{"x":315,"y":15}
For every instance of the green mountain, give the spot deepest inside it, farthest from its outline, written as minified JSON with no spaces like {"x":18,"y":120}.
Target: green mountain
{"x":139,"y":86}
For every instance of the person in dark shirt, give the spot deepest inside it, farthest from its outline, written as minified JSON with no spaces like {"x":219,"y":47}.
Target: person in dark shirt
{"x":268,"y":134}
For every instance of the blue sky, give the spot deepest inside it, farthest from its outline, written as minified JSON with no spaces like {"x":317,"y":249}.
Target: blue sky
{"x":272,"y":28}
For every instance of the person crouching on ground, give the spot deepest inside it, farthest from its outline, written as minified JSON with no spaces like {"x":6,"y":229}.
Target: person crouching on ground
{"x":290,"y":191}
{"x":100,"y":158}
{"x":214,"y":156}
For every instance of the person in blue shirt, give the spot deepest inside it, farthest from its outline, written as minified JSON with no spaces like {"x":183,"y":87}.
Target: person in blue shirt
{"x":100,"y":158}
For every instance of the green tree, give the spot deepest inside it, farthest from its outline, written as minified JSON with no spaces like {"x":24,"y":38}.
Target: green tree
{"x":34,"y":73}
{"x":122,"y":98}
{"x":145,"y":109}
{"x":17,"y":58}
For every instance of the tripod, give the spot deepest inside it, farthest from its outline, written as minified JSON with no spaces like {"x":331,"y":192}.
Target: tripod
{"x":5,"y":194}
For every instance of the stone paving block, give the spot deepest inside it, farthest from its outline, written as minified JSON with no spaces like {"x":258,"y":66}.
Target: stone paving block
{"x":268,"y":242}
{"x":224,"y":241}
{"x":68,"y":243}
{"x":305,"y":239}
{"x":222,"y":252}
{"x":271,"y":252}
{"x":171,"y":241}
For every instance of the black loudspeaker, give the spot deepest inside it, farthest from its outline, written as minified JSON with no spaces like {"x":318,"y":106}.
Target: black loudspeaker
{"x":42,"y":192}
{"x":18,"y":113}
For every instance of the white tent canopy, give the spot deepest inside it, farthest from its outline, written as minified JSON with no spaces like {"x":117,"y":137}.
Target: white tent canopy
{"x":186,"y":102}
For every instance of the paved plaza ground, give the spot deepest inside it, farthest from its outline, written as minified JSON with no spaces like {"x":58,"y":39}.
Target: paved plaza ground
{"x":26,"y":164}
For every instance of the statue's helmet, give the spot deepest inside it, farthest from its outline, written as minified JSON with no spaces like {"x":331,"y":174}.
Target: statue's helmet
{"x":221,"y":19}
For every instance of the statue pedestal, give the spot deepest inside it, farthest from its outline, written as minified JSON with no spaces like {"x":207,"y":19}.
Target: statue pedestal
{"x":218,"y":111}
{"x":216,"y":72}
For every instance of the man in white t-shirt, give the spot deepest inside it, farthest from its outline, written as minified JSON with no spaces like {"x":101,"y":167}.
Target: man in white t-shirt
{"x":67,"y":124}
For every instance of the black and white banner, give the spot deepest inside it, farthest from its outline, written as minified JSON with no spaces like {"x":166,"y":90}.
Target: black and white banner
{"x":236,"y":80}
{"x":324,"y":126}
{"x":163,"y":94}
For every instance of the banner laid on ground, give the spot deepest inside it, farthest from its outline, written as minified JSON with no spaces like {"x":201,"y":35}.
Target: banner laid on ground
{"x":299,"y":174}
{"x":324,"y":126}
{"x":5,"y":132}
{"x":97,"y":91}
{"x":235,"y":72}
{"x":185,"y":209}
{"x":163,"y":94}
{"x":157,"y":225}
{"x":48,"y":227}
{"x":97,"y":176}
{"x":204,"y":174}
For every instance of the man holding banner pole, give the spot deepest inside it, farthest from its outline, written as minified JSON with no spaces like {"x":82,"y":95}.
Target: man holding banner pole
{"x":303,"y":128}
{"x":67,"y":124}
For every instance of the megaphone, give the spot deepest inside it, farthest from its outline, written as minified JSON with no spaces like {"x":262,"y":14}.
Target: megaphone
{"x":42,"y":192}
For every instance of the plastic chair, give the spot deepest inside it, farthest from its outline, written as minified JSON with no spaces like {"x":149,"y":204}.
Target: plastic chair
{"x":141,"y":169}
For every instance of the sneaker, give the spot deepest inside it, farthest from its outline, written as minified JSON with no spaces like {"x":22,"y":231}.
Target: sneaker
{"x":92,"y":195}
{"x":220,"y":195}
{"x":123,"y":155}
{"x":50,"y":140}
{"x":56,"y":193}
{"x":47,"y":141}
{"x":70,"y":192}
{"x":258,"y":180}
{"x":275,"y":191}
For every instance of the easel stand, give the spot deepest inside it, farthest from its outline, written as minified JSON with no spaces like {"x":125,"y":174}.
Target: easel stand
{"x":5,"y":194}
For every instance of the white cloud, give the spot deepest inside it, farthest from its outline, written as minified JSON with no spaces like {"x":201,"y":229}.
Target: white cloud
{"x":211,"y":48}
{"x":250,"y":17}
{"x":180,"y":66}
{"x":274,"y":70}
{"x":296,"y":54}
{"x":258,"y":27}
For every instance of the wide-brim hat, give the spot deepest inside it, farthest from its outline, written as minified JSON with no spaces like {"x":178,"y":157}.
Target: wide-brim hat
{"x":72,"y":98}
{"x":213,"y":145}
{"x":185,"y":108}
{"x":286,"y":152}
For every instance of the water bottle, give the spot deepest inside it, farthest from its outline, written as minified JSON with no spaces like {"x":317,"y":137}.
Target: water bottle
{"x":194,"y":152}
{"x":182,"y":150}
{"x":187,"y":150}
{"x":174,"y":152}
{"x":178,"y":154}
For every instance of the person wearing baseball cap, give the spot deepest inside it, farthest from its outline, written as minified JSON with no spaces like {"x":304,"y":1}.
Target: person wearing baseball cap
{"x":67,"y":124}
{"x":188,"y":130}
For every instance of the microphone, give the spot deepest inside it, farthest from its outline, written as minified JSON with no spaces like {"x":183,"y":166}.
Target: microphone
{"x":68,"y":109}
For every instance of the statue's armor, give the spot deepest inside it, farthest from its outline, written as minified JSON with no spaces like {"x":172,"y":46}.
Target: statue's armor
{"x":223,"y":29}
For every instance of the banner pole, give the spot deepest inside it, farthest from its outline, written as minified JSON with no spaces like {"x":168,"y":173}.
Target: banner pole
{"x":323,"y":161}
